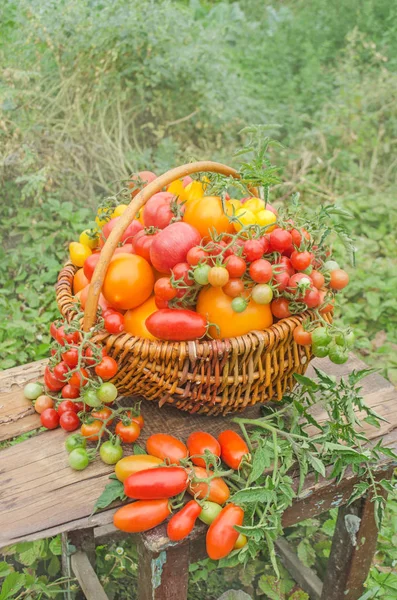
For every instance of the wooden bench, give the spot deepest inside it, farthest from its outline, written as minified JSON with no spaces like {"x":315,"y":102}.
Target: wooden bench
{"x":40,"y":496}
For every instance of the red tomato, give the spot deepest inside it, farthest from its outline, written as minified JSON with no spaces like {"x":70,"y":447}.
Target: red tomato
{"x":114,"y":322}
{"x":103,"y":415}
{"x":200,"y":441}
{"x":103,"y":304}
{"x":128,"y":282}
{"x":128,"y":235}
{"x":281,"y":280}
{"x":143,"y":241}
{"x":71,"y":357}
{"x":66,"y":406}
{"x":265,"y":241}
{"x":141,"y":516}
{"x":339,"y":279}
{"x":217,"y":492}
{"x":140,"y":180}
{"x":261,"y":271}
{"x":233,"y":448}
{"x":312,"y":298}
{"x":181,"y":271}
{"x":328,"y":307}
{"x":69,"y":338}
{"x":196,"y":255}
{"x":51,"y":382}
{"x":182,"y":523}
{"x":162,"y":209}
{"x":301,"y":260}
{"x":89,"y":355}
{"x":221,"y":534}
{"x":234,"y":288}
{"x":167,"y":447}
{"x":128,"y":433}
{"x":124,"y":249}
{"x":49,"y":418}
{"x":280,"y":308}
{"x":107,"y":368}
{"x":90,"y":263}
{"x":280,"y":240}
{"x":164,"y":289}
{"x":60,"y":371}
{"x":79,"y":378}
{"x":70,"y":391}
{"x":69,"y":421}
{"x":153,"y":484}
{"x":297,"y":236}
{"x":302,"y":337}
{"x":317,"y":279}
{"x":235,"y":265}
{"x":139,"y":420}
{"x":172,"y":244}
{"x":160,"y":304}
{"x":253,"y":250}
{"x":176,"y":325}
{"x":284,"y":265}
{"x":53,"y":330}
{"x":301,"y":279}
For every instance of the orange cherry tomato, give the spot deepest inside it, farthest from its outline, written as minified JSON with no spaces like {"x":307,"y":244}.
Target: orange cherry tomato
{"x":318,"y":279}
{"x":91,"y":430}
{"x":142,"y":515}
{"x":79,"y":378}
{"x":233,"y":448}
{"x":339,"y":279}
{"x":133,"y":464}
{"x":129,"y":281}
{"x":200,"y":441}
{"x":79,"y":281}
{"x":182,"y":523}
{"x":217,"y":492}
{"x":128,"y":433}
{"x":166,"y":446}
{"x":328,"y":307}
{"x":43,"y":402}
{"x":221,"y":535}
{"x":103,"y":414}
{"x":302,"y":337}
{"x":207,"y":213}
{"x":134,"y":319}
{"x":216,"y":306}
{"x":139,"y":419}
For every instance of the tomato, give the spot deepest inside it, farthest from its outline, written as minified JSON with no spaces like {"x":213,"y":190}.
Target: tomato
{"x":79,"y":378}
{"x":281,"y":280}
{"x":138,"y":419}
{"x":182,"y":271}
{"x":320,"y":351}
{"x":103,"y":414}
{"x":196,"y":255}
{"x":321,"y":336}
{"x":337,"y":354}
{"x":207,"y":214}
{"x":42,"y":403}
{"x":79,"y":253}
{"x":239,"y":304}
{"x":135,"y":319}
{"x":201,"y":274}
{"x":284,"y":265}
{"x":66,"y":406}
{"x":262,"y":294}
{"x":176,"y":325}
{"x":129,"y":234}
{"x":75,"y":441}
{"x":183,"y":522}
{"x":164,"y":289}
{"x":299,"y":280}
{"x":135,"y":463}
{"x":200,"y":441}
{"x":31,"y":391}
{"x":312,"y":298}
{"x":234,"y":288}
{"x":233,"y":448}
{"x":143,"y":241}
{"x":94,"y":354}
{"x":140,"y":180}
{"x":218,"y":276}
{"x":110,"y":452}
{"x":141,"y":516}
{"x":331,"y":265}
{"x":339,"y":279}
{"x":209,"y":512}
{"x":261,"y":271}
{"x":128,"y":433}
{"x":345,"y":339}
{"x":167,"y":447}
{"x":92,"y":430}
{"x":236,"y":266}
{"x":280,"y":308}
{"x":240,"y":542}
{"x":71,"y":357}
{"x":107,"y":393}
{"x":69,"y":421}
{"x":49,"y":418}
{"x":217,"y":308}
{"x":79,"y":281}
{"x":69,"y":338}
{"x":89,"y":237}
{"x":89,"y":265}
{"x":119,"y":210}
{"x":216,"y":491}
{"x":128,"y":282}
{"x":301,"y":260}
{"x":153,"y":484}
{"x":162,"y":209}
{"x":107,"y":368}
{"x":114,"y":322}
{"x":70,"y":391}
{"x":51,"y":382}
{"x":297,"y":236}
{"x":317,"y":279}
{"x":302,"y":337}
{"x":78,"y":459}
{"x":172,"y":244}
{"x":60,"y":371}
{"x":253,"y":250}
{"x":280,"y":240}
{"x":325,"y":308}
{"x":266,"y":218}
{"x":221,"y":535}
{"x":102,"y":303}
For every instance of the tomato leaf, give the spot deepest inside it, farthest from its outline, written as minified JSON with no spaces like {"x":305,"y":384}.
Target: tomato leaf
{"x":138,"y":449}
{"x":113,"y":491}
{"x":259,"y":464}
{"x":253,"y":494}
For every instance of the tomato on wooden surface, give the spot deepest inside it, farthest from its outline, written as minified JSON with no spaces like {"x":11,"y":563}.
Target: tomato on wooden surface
{"x":129,"y":281}
{"x":166,"y":447}
{"x":128,"y":433}
{"x":42,"y":403}
{"x":206,"y":214}
{"x":102,"y":414}
{"x":172,"y":244}
{"x":111,"y":452}
{"x":183,"y":522}
{"x":51,"y":382}
{"x":200,"y":441}
{"x":210,"y":510}
{"x":49,"y":418}
{"x":79,"y":378}
{"x":233,"y":448}
{"x":135,"y":319}
{"x":69,"y":421}
{"x":221,"y":535}
{"x":70,"y":391}
{"x":133,"y":464}
{"x":91,"y":430}
{"x":107,"y":368}
{"x":216,"y":307}
{"x":142,"y":515}
{"x":216,"y":491}
{"x":66,"y":406}
{"x":153,"y":484}
{"x":176,"y":325}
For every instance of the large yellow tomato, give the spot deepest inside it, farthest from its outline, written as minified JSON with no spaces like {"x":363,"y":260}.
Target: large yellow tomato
{"x":193,"y":191}
{"x":207,"y":213}
{"x":129,"y":281}
{"x":134,"y":319}
{"x":216,"y":306}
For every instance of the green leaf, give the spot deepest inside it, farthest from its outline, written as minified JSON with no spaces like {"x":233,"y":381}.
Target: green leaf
{"x":259,"y":463}
{"x":253,"y":494}
{"x":5,"y":569}
{"x":56,"y":546}
{"x":137,"y":449}
{"x":54,"y":566}
{"x":11,"y":585}
{"x":306,"y":553}
{"x":306,"y":381}
{"x":316,"y":463}
{"x":113,"y":491}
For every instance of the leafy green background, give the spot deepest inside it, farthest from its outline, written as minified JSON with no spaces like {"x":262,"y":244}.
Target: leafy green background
{"x":91,"y":90}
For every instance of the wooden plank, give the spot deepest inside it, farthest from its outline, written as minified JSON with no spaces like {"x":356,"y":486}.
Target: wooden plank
{"x":87,"y":577}
{"x":305,"y":577}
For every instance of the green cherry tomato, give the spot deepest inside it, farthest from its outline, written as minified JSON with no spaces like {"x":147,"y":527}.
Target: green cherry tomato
{"x":32,"y":391}
{"x":111,"y":453}
{"x":331,"y":265}
{"x":107,"y":393}
{"x":320,"y":351}
{"x":75,"y":441}
{"x":345,"y":339}
{"x":320,"y":337}
{"x":262,"y":294}
{"x":201,"y":274}
{"x":78,"y":459}
{"x":209,"y":512}
{"x":337,"y":354}
{"x":91,"y":399}
{"x":239,"y":304}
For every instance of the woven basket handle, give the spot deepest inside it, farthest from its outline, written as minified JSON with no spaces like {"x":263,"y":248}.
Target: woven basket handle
{"x":128,"y":216}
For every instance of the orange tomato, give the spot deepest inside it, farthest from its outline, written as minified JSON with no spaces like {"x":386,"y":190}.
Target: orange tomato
{"x":135,"y":463}
{"x":216,"y":306}
{"x":92,"y":430}
{"x":79,"y":281}
{"x":134,"y":319}
{"x":206,"y":213}
{"x":129,"y":281}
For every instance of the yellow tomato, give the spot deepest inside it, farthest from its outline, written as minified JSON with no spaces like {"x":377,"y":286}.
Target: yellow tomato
{"x":134,"y":319}
{"x":246,"y":217}
{"x":254,"y":204}
{"x":194,"y":190}
{"x":133,"y":464}
{"x":176,"y":188}
{"x":102,"y":217}
{"x":234,"y":204}
{"x":266,"y":217}
{"x":216,"y":306}
{"x":128,"y":282}
{"x":89,"y":238}
{"x":78,"y":253}
{"x":207,"y":213}
{"x":241,"y":540}
{"x":118,"y":211}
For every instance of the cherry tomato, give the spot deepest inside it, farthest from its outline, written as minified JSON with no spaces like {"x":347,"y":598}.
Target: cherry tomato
{"x":110,"y":452}
{"x":107,"y":393}
{"x":75,"y":441}
{"x":153,"y":484}
{"x":91,"y":430}
{"x":261,"y":271}
{"x":71,"y":357}
{"x":236,"y":266}
{"x":128,"y":433}
{"x":240,"y":542}
{"x":60,"y":371}
{"x":339,"y":279}
{"x":49,"y":418}
{"x":325,"y":308}
{"x":253,"y":250}
{"x":312,"y":298}
{"x":299,"y":280}
{"x":69,"y":338}
{"x":216,"y":491}
{"x":114,"y":322}
{"x":78,"y":459}
{"x":301,"y":260}
{"x":221,"y":535}
{"x":337,"y":354}
{"x":164,"y":289}
{"x":183,"y":522}
{"x":89,"y":265}
{"x":281,"y":280}
{"x":94,"y":356}
{"x":302,"y":337}
{"x":317,"y":279}
{"x":233,"y":448}
{"x":70,"y":391}
{"x":79,"y":378}
{"x":209,"y":512}
{"x":166,"y":447}
{"x":196,"y":255}
{"x":42,"y":403}
{"x":181,"y":271}
{"x":141,"y":516}
{"x":200,"y":441}
{"x":51,"y":382}
{"x":32,"y":391}
{"x":139,"y":420}
{"x":78,"y":253}
{"x":297,"y":236}
{"x":280,"y":308}
{"x":201,"y":274}
{"x":103,"y":415}
{"x":69,"y":421}
{"x":262,"y":293}
{"x":239,"y":305}
{"x":284,"y":265}
{"x":280,"y":240}
{"x":233,"y":288}
{"x":218,"y":276}
{"x":176,"y":325}
{"x":66,"y":406}
{"x":53,"y":330}
{"x":91,"y":399}
{"x":135,"y":463}
{"x":107,"y":368}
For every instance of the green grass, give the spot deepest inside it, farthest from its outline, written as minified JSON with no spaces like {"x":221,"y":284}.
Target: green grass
{"x":93,"y":90}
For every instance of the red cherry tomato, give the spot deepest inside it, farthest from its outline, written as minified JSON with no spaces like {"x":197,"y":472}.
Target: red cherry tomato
{"x":233,"y":448}
{"x":297,"y":236}
{"x":284,"y":264}
{"x":164,"y":289}
{"x":166,"y":447}
{"x":281,"y":280}
{"x":66,"y":406}
{"x":339,"y":279}
{"x":234,"y":288}
{"x":103,"y":415}
{"x":49,"y":418}
{"x":280,"y":240}
{"x":261,"y":271}
{"x":107,"y":368}
{"x":128,"y":433}
{"x":182,"y":523}
{"x":153,"y":484}
{"x":89,"y":355}
{"x":181,"y":271}
{"x":301,"y":260}
{"x":60,"y":371}
{"x":280,"y":308}
{"x":300,"y":279}
{"x":70,"y":338}
{"x":90,"y":263}
{"x":51,"y":382}
{"x":200,"y":441}
{"x":79,"y":378}
{"x":71,"y":357}
{"x":253,"y":250}
{"x":69,"y":421}
{"x":312,"y":298}
{"x":196,"y":255}
{"x":221,"y":534}
{"x":302,"y":337}
{"x":317,"y":279}
{"x":236,"y":266}
{"x":114,"y":322}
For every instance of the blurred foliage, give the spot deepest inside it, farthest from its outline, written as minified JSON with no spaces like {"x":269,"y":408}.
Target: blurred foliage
{"x":92,"y":90}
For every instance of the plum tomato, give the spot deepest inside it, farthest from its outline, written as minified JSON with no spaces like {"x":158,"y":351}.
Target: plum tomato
{"x":200,"y":441}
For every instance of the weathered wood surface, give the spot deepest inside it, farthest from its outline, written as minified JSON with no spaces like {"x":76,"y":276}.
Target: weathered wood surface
{"x":41,"y":496}
{"x":87,"y":577}
{"x":305,"y":577}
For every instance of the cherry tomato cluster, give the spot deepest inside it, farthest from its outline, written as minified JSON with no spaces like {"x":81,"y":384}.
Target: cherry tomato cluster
{"x":158,"y":481}
{"x":326,"y":341}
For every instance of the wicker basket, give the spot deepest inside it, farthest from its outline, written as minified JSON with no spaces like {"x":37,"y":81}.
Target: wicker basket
{"x":204,"y":376}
